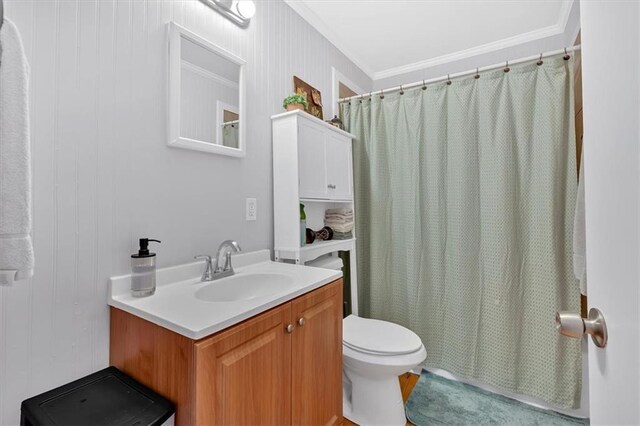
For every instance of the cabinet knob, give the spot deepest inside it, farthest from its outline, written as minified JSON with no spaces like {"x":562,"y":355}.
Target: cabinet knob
{"x":290,"y":328}
{"x":301,"y":321}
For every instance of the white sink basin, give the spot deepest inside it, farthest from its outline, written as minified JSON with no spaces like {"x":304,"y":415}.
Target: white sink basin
{"x":196,"y":310}
{"x":244,"y":287}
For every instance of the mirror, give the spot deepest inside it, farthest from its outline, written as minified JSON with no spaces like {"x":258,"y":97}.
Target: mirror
{"x":206,"y":95}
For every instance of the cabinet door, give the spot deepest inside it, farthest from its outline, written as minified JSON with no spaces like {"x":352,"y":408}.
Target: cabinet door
{"x":339,"y":165}
{"x":317,"y":357}
{"x":243,"y":375}
{"x":311,"y":160}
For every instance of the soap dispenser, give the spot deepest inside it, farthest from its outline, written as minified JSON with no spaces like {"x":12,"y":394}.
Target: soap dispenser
{"x":143,"y":270}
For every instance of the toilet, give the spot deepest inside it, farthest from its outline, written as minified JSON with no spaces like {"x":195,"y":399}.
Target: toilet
{"x":374,"y":354}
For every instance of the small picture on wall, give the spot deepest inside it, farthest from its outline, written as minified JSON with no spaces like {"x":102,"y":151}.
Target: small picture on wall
{"x":314,"y":99}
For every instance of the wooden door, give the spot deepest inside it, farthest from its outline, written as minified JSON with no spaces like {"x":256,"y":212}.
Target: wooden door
{"x":312,"y":160}
{"x":316,"y":394}
{"x":243,"y":375}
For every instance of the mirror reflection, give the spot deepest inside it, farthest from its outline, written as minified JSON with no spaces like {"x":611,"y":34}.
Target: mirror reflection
{"x":206,"y":89}
{"x":210,"y":93}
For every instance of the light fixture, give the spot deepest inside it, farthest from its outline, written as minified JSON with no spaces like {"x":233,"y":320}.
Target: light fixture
{"x":239,"y":12}
{"x":245,"y":8}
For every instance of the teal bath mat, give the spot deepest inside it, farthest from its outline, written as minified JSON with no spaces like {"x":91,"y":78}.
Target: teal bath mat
{"x":439,"y":401}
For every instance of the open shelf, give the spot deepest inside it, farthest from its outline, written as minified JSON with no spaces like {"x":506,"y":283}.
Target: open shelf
{"x":316,"y":249}
{"x":327,"y":244}
{"x":320,"y":200}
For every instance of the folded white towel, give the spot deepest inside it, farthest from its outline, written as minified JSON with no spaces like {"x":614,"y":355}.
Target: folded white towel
{"x":16,"y":250}
{"x":347,"y":214}
{"x":342,"y":211}
{"x":579,"y":237}
{"x":334,"y":219}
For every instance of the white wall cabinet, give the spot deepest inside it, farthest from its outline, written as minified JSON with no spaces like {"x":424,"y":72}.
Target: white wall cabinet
{"x":324,"y":159}
{"x":312,"y":165}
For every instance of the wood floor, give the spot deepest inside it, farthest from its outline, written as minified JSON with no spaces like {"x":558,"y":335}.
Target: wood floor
{"x":407,"y":382}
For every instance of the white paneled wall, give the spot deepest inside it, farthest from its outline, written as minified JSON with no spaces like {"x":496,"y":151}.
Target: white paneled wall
{"x":104,"y":177}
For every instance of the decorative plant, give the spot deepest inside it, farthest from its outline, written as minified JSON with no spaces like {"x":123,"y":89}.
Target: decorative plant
{"x":295,"y":98}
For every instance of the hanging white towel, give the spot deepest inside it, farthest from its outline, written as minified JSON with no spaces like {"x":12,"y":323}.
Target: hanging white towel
{"x":16,"y":250}
{"x":579,"y":237}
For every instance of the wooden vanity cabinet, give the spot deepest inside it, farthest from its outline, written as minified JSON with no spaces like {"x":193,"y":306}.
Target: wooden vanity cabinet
{"x":281,"y":367}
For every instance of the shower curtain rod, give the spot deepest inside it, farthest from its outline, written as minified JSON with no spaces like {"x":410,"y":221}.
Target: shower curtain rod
{"x":448,"y":77}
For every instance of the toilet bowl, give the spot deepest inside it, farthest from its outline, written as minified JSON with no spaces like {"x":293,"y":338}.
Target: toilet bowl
{"x":374,"y":354}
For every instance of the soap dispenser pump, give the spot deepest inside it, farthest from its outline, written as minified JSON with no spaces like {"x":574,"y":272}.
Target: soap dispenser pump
{"x":143,"y":270}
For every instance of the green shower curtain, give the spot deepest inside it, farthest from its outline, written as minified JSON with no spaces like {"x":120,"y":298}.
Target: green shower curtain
{"x":465,"y":199}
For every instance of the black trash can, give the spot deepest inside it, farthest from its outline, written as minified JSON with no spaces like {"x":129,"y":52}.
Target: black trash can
{"x":108,"y":397}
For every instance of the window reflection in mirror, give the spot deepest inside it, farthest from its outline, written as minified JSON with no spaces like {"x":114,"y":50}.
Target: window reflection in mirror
{"x":230,"y":128}
{"x":228,"y":120}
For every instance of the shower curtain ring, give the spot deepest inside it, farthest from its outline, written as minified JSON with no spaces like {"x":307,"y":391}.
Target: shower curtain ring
{"x":566,"y":56}
{"x":424,"y":85}
{"x":540,"y":61}
{"x":477,"y":76}
{"x":381,"y":94}
{"x":506,"y":68}
{"x":361,"y":96}
{"x":401,"y":91}
{"x":448,"y":80}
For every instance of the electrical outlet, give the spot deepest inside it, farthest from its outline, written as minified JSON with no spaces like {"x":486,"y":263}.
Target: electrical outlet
{"x":252,"y":209}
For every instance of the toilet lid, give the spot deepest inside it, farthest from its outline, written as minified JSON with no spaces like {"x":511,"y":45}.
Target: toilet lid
{"x":378,"y":337}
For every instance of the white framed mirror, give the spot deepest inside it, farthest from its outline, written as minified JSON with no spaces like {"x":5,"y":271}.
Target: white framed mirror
{"x":206,"y":104}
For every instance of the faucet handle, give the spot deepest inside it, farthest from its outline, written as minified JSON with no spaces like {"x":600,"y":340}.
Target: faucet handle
{"x":207,"y":275}
{"x":203,"y":256}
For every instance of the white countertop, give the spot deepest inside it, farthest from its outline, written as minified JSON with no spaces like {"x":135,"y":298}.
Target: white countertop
{"x":175,"y":307}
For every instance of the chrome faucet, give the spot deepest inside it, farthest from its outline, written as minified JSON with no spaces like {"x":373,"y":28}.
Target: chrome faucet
{"x":214,"y":271}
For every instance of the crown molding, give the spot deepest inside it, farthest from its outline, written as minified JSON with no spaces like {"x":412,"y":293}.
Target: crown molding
{"x":553,"y":30}
{"x":325,"y":30}
{"x":468,"y":53}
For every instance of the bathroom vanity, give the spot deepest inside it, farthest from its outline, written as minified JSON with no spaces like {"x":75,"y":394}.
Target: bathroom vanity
{"x":261,"y":347}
